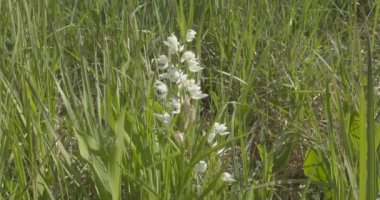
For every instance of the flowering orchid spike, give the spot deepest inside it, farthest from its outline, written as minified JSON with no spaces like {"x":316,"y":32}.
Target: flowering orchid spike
{"x":190,"y":35}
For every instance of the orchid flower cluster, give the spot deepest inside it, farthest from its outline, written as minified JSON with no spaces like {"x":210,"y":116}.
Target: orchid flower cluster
{"x":173,"y":69}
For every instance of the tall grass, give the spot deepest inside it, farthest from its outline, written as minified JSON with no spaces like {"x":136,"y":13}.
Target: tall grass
{"x":289,"y":78}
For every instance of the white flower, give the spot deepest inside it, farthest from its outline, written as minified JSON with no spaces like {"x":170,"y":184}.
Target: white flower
{"x":201,"y":166}
{"x":194,"y":65}
{"x":174,"y":75}
{"x":217,"y":129}
{"x":173,"y":44}
{"x":220,"y":129}
{"x":190,"y":35}
{"x":162,"y":62}
{"x":165,"y":117}
{"x":188,"y":55}
{"x":211,"y":137}
{"x":191,"y":61}
{"x":196,"y":93}
{"x":161,"y":89}
{"x":186,"y":83}
{"x":178,"y":137}
{"x":193,"y":89}
{"x":227,"y":177}
{"x":174,"y":105}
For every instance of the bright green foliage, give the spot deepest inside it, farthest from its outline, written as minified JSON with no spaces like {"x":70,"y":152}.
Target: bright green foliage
{"x":289,"y":78}
{"x":313,"y":167}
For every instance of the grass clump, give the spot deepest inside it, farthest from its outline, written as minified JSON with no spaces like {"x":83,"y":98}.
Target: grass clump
{"x":189,"y":99}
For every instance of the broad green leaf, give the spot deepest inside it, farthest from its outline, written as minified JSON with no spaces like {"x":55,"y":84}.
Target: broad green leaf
{"x":313,"y":166}
{"x":282,"y":150}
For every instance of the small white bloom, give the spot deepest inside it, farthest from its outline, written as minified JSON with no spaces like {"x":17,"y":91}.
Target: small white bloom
{"x":186,"y":83}
{"x":174,"y":105}
{"x":201,"y":166}
{"x":188,"y":55}
{"x":194,"y":65}
{"x":197,"y":94}
{"x":182,"y":77}
{"x":165,"y":117}
{"x":161,"y":89}
{"x":179,"y":137}
{"x":162,"y":62}
{"x":174,"y":75}
{"x":190,"y":35}
{"x":211,"y":137}
{"x":193,"y":89}
{"x":191,"y":61}
{"x":220,"y":129}
{"x":227,"y":177}
{"x":217,"y":129}
{"x":173,"y":44}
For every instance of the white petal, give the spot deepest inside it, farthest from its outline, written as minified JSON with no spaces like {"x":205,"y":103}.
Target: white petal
{"x":194,"y":90}
{"x":220,"y":129}
{"x":179,"y":137}
{"x":165,"y":117}
{"x":211,"y":137}
{"x":174,"y":75}
{"x":173,"y":44}
{"x":162,"y":62}
{"x":195,"y":68}
{"x":201,"y":166}
{"x":193,"y":65}
{"x":186,"y":84}
{"x":198,"y":96}
{"x":220,"y":151}
{"x":224,"y":133}
{"x":190,"y":35}
{"x":188,"y":55}
{"x":174,"y":105}
{"x":161,"y":89}
{"x":227,"y":177}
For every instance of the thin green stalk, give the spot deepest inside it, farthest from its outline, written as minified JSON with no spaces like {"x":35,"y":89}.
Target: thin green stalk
{"x":371,"y":136}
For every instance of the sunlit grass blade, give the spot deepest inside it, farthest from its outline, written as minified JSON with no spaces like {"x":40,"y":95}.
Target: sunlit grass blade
{"x":371,"y":187}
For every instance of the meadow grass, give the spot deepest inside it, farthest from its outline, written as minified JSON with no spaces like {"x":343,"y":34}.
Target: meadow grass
{"x":296,"y":82}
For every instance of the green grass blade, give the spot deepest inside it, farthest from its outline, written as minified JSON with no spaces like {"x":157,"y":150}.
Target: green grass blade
{"x":371,"y":135}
